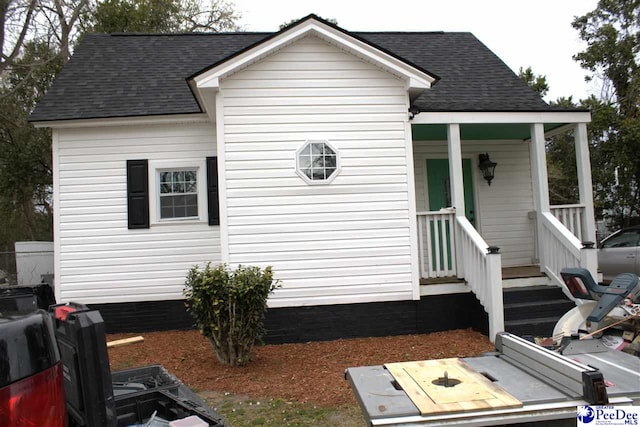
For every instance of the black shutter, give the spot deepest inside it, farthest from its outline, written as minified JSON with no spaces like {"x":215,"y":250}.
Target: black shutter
{"x":212,"y":191}
{"x":138,"y":193}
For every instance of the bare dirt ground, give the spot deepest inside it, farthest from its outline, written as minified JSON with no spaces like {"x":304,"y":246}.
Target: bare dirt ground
{"x":310,"y":373}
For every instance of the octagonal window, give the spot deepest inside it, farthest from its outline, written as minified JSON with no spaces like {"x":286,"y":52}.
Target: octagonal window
{"x":317,"y":162}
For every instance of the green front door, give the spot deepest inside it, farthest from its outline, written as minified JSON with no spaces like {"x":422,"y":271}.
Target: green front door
{"x":439,"y":196}
{"x":439,"y":190}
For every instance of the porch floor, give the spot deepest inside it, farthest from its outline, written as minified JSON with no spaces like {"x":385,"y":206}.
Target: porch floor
{"x":521,"y":272}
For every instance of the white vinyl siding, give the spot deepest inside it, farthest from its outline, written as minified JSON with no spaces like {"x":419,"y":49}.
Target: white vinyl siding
{"x":100,"y":259}
{"x":502,"y":209}
{"x":343,"y":242}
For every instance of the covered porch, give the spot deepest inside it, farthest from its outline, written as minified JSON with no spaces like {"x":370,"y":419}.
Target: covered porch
{"x":469,"y":229}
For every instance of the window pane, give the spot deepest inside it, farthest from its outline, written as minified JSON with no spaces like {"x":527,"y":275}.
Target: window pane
{"x":318,"y":162}
{"x":318,"y":174}
{"x":316,"y":148}
{"x":178,"y":176}
{"x":190,"y":176}
{"x":166,"y":212}
{"x":165,"y":177}
{"x":305,"y":161}
{"x":328,"y":151}
{"x":179,"y":206}
{"x":178,"y":187}
{"x":165,"y":188}
{"x":166,"y":202}
{"x":166,"y":207}
{"x":190,"y":187}
{"x":192,"y":211}
{"x":307,"y":172}
{"x":330,"y":171}
{"x":330,"y":161}
{"x":179,"y":201}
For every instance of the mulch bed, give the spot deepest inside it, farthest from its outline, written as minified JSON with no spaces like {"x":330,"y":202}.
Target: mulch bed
{"x":310,"y":372}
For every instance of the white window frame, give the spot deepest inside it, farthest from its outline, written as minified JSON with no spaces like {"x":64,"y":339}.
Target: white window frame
{"x":157,"y":166}
{"x":304,"y":176}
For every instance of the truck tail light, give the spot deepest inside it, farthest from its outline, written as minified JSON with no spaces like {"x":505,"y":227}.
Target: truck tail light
{"x":37,"y":400}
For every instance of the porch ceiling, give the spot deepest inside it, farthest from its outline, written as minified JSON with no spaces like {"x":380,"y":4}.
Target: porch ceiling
{"x":479,"y":131}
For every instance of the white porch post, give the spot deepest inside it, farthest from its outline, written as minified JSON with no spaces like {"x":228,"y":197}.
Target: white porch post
{"x":540,"y":182}
{"x":583,"y":163}
{"x":585,"y":185}
{"x":455,"y":168}
{"x":456,"y":184}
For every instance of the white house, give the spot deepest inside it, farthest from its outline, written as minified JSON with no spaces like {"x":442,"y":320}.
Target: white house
{"x":347,"y":161}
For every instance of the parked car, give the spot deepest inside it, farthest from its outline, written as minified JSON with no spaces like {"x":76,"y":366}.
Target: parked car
{"x":620,"y":253}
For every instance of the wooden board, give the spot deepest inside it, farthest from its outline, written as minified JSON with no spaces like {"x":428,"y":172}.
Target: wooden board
{"x":475,"y":392}
{"x":124,"y":341}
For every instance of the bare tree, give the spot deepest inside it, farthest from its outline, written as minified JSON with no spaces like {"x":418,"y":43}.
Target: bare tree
{"x":16,"y":18}
{"x":216,"y":16}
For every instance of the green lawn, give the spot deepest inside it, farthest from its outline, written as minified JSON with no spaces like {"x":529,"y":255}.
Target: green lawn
{"x":240,"y":411}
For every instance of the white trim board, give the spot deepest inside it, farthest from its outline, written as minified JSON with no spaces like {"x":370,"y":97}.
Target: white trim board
{"x":124,"y":121}
{"x":417,"y":80}
{"x":446,"y":117}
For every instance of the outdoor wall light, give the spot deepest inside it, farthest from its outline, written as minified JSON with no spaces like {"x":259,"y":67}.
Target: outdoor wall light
{"x":413,"y":111}
{"x":487,"y":167}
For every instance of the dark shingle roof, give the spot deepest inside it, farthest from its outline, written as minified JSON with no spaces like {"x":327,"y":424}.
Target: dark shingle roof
{"x":136,"y":75}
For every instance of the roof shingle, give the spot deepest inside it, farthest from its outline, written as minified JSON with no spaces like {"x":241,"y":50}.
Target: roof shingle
{"x":139,"y":75}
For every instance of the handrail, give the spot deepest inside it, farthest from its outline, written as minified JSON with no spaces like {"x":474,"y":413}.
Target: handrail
{"x":483,"y":273}
{"x":473,"y":234}
{"x":449,"y":245}
{"x":562,"y":233}
{"x":560,"y":248}
{"x":575,"y":205}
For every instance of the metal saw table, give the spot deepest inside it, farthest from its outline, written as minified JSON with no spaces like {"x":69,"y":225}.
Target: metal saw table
{"x":539,"y":385}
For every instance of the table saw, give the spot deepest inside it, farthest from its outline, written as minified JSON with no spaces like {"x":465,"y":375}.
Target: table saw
{"x":520,"y":383}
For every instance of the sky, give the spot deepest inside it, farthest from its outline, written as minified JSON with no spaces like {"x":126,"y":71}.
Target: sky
{"x":535,"y":33}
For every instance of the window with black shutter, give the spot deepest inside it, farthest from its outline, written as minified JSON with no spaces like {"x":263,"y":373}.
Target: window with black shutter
{"x":176,"y":193}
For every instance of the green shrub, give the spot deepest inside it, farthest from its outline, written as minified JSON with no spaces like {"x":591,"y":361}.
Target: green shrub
{"x":229,"y":306}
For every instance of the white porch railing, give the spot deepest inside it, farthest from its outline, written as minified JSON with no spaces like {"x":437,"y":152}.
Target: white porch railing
{"x":482,"y":271}
{"x":572,"y":217}
{"x":436,"y":243}
{"x":560,"y":248}
{"x":451,"y":246}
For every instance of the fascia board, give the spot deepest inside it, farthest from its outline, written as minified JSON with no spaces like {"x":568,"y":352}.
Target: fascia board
{"x":416,"y":78}
{"x":123,"y":121}
{"x":444,"y":117}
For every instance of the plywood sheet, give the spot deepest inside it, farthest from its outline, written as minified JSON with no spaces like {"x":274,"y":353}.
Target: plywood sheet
{"x":474,"y":391}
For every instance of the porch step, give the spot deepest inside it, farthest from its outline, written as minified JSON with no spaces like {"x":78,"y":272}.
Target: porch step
{"x":521,"y":282}
{"x":526,"y":275}
{"x":539,"y":327}
{"x":534,"y":310}
{"x":533,"y":294}
{"x":525,"y":310}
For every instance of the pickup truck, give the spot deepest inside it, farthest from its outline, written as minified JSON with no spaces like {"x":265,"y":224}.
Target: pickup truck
{"x":54,"y":371}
